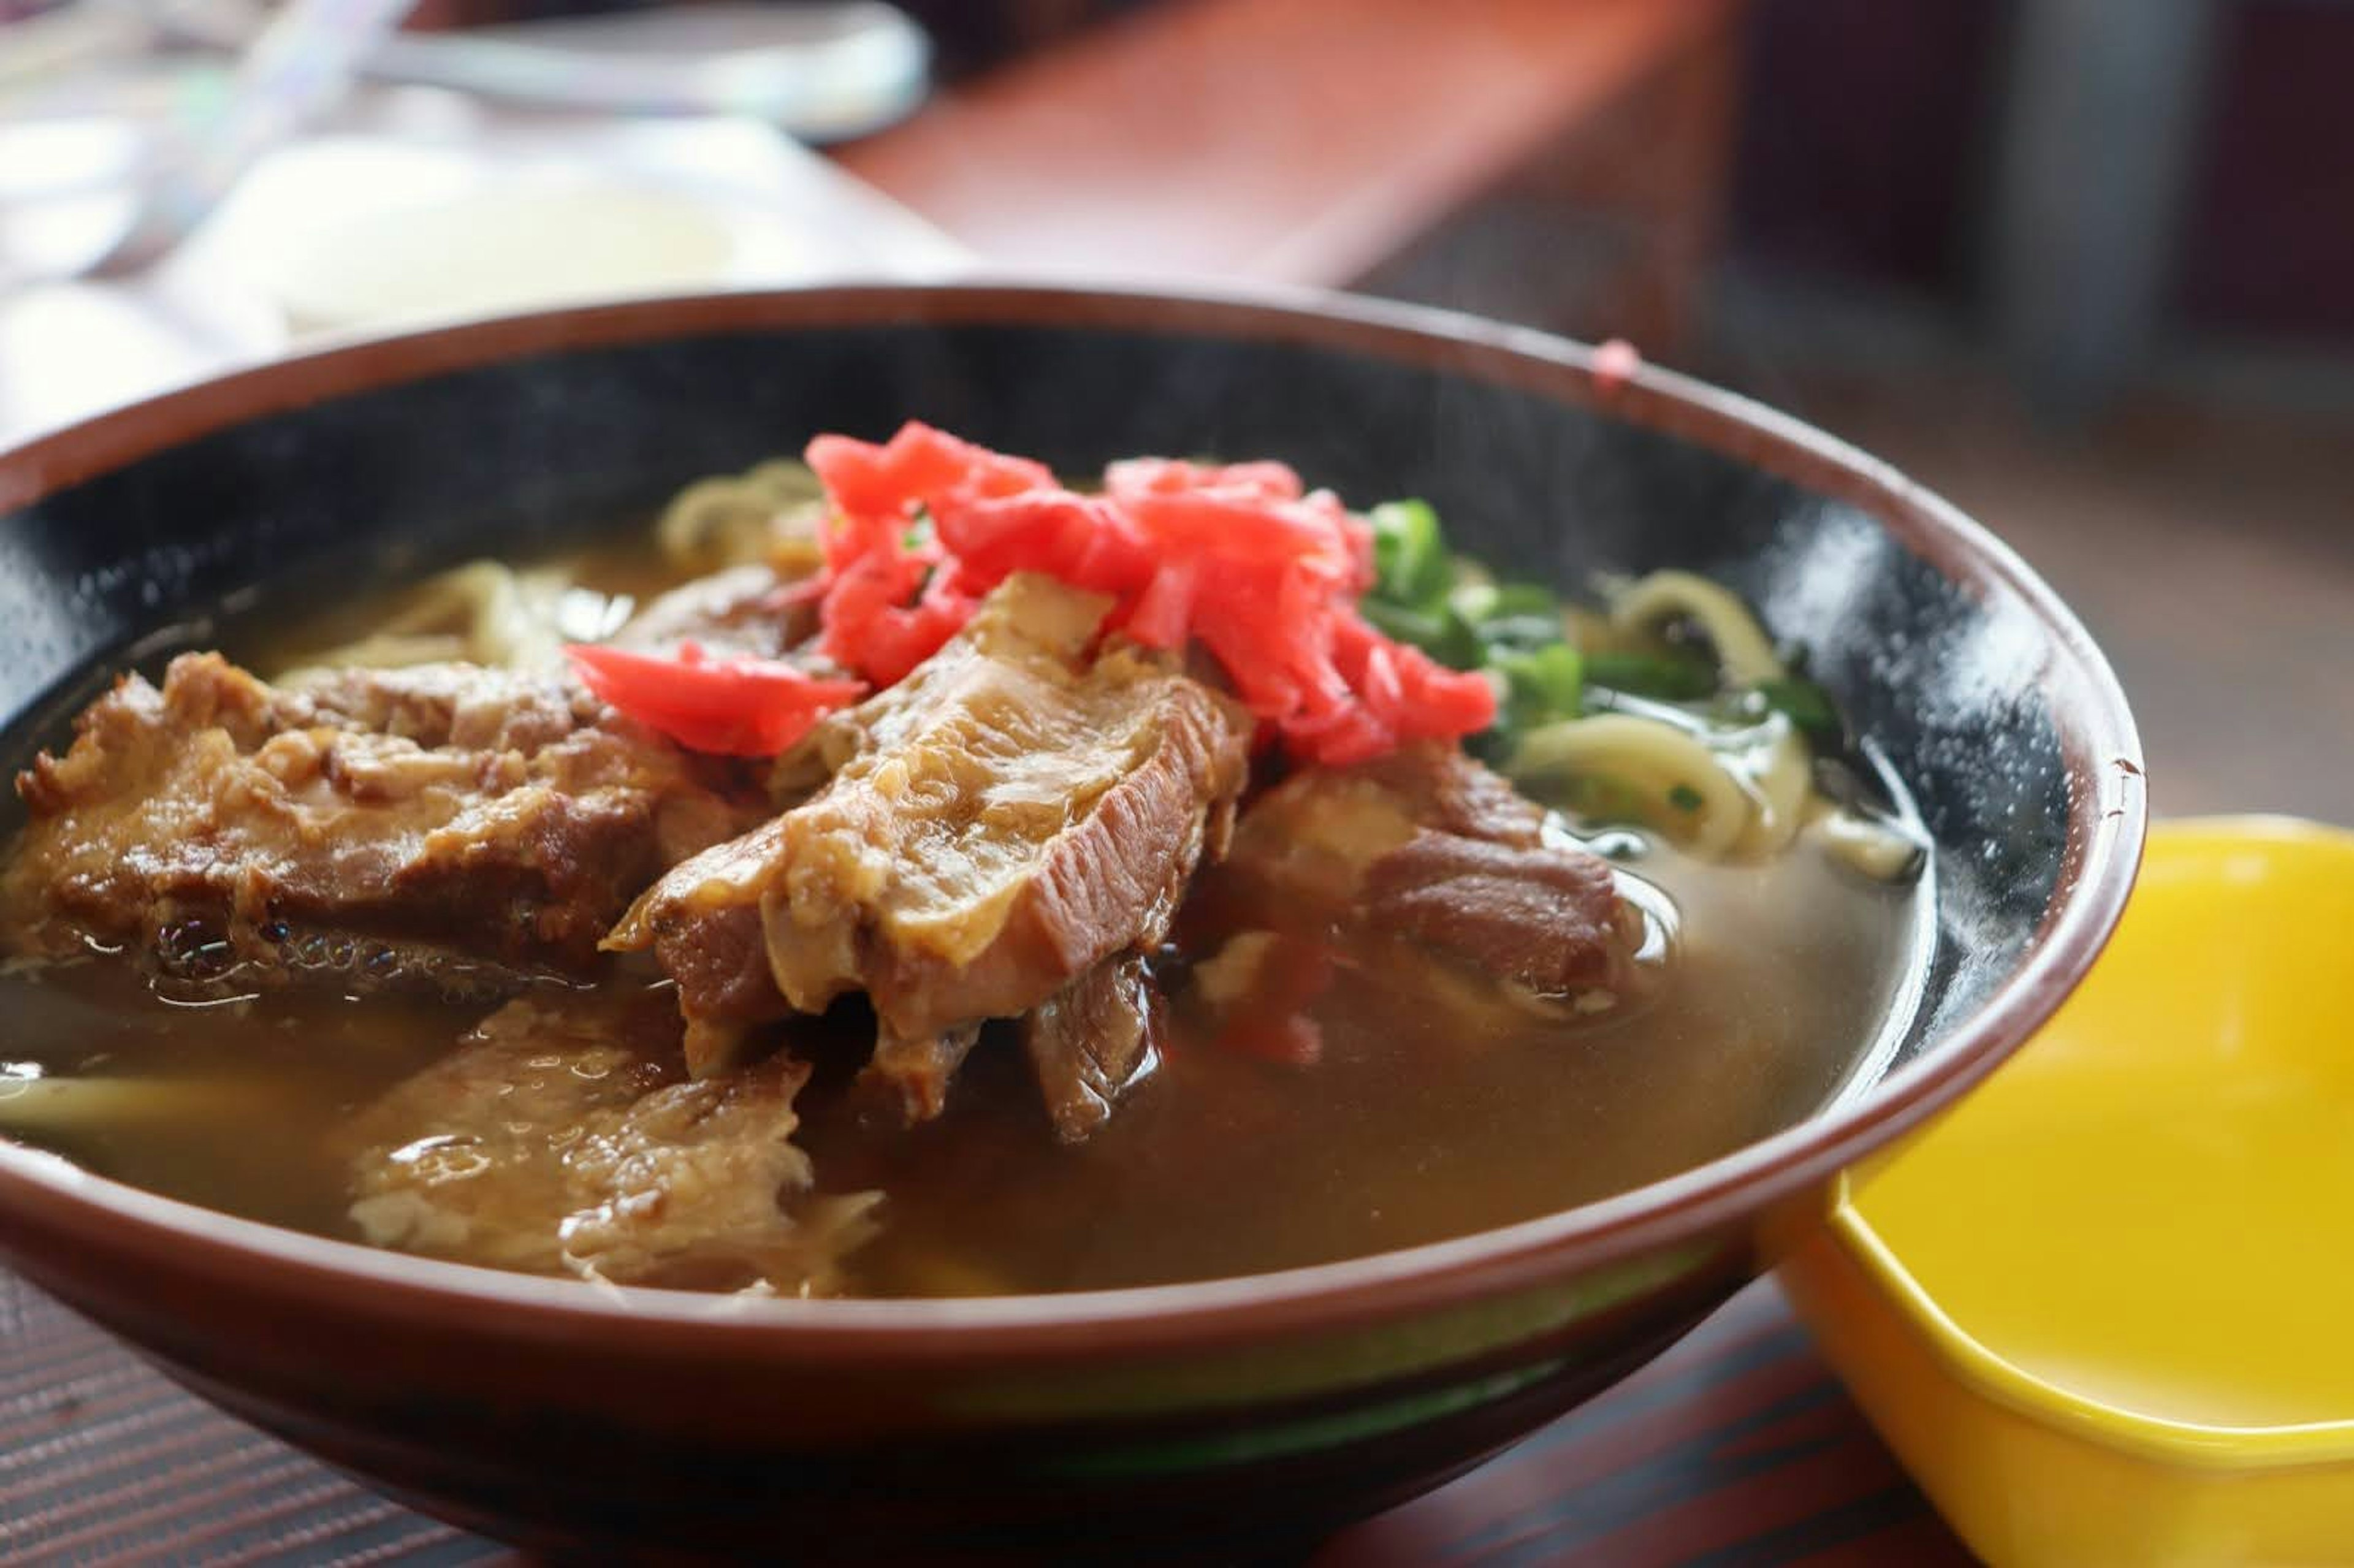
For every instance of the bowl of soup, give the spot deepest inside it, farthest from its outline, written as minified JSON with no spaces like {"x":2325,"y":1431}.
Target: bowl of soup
{"x":985,"y":920}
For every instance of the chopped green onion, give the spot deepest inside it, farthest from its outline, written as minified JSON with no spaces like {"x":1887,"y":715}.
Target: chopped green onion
{"x":1663,"y":677}
{"x":1450,"y":607}
{"x":1526,"y":600}
{"x":1470,"y":569}
{"x":1542,"y":684}
{"x":1493,"y":746}
{"x":1483,"y":602}
{"x":1474,"y":600}
{"x":1510,"y":615}
{"x":1684,"y":798}
{"x":1807,"y":706}
{"x":1443,"y":634}
{"x":1520,"y":632}
{"x":1410,"y":562}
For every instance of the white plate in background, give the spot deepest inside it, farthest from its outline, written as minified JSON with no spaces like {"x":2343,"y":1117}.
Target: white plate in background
{"x":422,"y":206}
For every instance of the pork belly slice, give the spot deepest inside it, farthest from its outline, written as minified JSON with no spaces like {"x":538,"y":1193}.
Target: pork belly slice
{"x":745,"y":611}
{"x":1092,"y":1042}
{"x":1427,"y":852}
{"x":448,"y":822}
{"x":914,"y":1070}
{"x":1008,"y":817}
{"x":563,"y":1136}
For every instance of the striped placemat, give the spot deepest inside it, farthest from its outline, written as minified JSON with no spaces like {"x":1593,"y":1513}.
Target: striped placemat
{"x":1734,"y":1447}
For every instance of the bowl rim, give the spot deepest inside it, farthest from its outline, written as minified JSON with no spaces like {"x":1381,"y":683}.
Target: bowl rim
{"x":1976,"y":1365}
{"x":1694,"y":1208}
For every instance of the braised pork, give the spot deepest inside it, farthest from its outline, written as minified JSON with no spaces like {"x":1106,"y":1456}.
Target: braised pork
{"x":564,"y":1136}
{"x":1427,"y":849}
{"x":914,"y":1070}
{"x":447,"y":821}
{"x":1012,"y":814}
{"x":740,"y":612}
{"x":1093,"y":1040}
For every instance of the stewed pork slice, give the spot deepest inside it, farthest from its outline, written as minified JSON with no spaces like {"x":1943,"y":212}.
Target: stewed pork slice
{"x":1093,"y":1040}
{"x":563,"y":1136}
{"x":1425,"y":852}
{"x":914,"y":1070}
{"x":736,"y":612}
{"x":1016,"y":811}
{"x":447,"y":822}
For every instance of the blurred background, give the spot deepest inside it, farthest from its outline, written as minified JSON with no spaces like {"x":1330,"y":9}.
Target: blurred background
{"x":2085,"y":265}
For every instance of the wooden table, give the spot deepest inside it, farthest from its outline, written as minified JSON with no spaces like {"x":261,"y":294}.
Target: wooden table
{"x":1314,"y":142}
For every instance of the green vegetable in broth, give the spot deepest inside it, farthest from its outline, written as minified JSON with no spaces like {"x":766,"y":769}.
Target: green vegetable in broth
{"x":1806,"y":705}
{"x":1448,"y":607}
{"x":1540,"y":684}
{"x":1410,"y":560}
{"x":1442,"y":633}
{"x":1675,"y":677}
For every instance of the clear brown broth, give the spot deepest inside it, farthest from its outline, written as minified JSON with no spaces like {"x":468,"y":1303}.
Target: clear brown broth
{"x":1411,"y":1129}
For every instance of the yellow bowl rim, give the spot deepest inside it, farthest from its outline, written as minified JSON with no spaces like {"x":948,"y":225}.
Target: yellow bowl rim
{"x":1974,"y":1364}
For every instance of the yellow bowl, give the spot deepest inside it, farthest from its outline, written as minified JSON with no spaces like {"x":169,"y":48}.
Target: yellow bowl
{"x":2104,"y":1311}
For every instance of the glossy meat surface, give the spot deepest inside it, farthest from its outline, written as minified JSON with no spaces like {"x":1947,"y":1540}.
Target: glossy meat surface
{"x":1004,"y":820}
{"x":1093,"y":1040}
{"x":743,"y":611}
{"x":564,"y":1136}
{"x":1427,"y":848}
{"x":444,"y":821}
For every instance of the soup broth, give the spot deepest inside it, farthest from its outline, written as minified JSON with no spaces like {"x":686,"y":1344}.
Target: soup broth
{"x":1416,"y":1122}
{"x":1406,"y":1131}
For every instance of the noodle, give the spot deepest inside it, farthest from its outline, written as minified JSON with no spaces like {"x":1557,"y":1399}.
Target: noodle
{"x":765,"y":513}
{"x":1730,"y":780}
{"x":1665,"y":775}
{"x":1878,"y":849}
{"x":1780,"y":777}
{"x":1661,"y":598}
{"x":482,"y":613}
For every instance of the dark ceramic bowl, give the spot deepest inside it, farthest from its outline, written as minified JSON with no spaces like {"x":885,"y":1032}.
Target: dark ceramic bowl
{"x":1232,"y":1410}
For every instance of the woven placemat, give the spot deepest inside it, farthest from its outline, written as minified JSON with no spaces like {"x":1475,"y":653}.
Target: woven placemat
{"x":1734,"y":1447}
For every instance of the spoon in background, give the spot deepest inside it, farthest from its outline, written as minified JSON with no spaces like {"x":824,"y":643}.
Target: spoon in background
{"x":816,"y":73}
{"x":299,"y":65}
